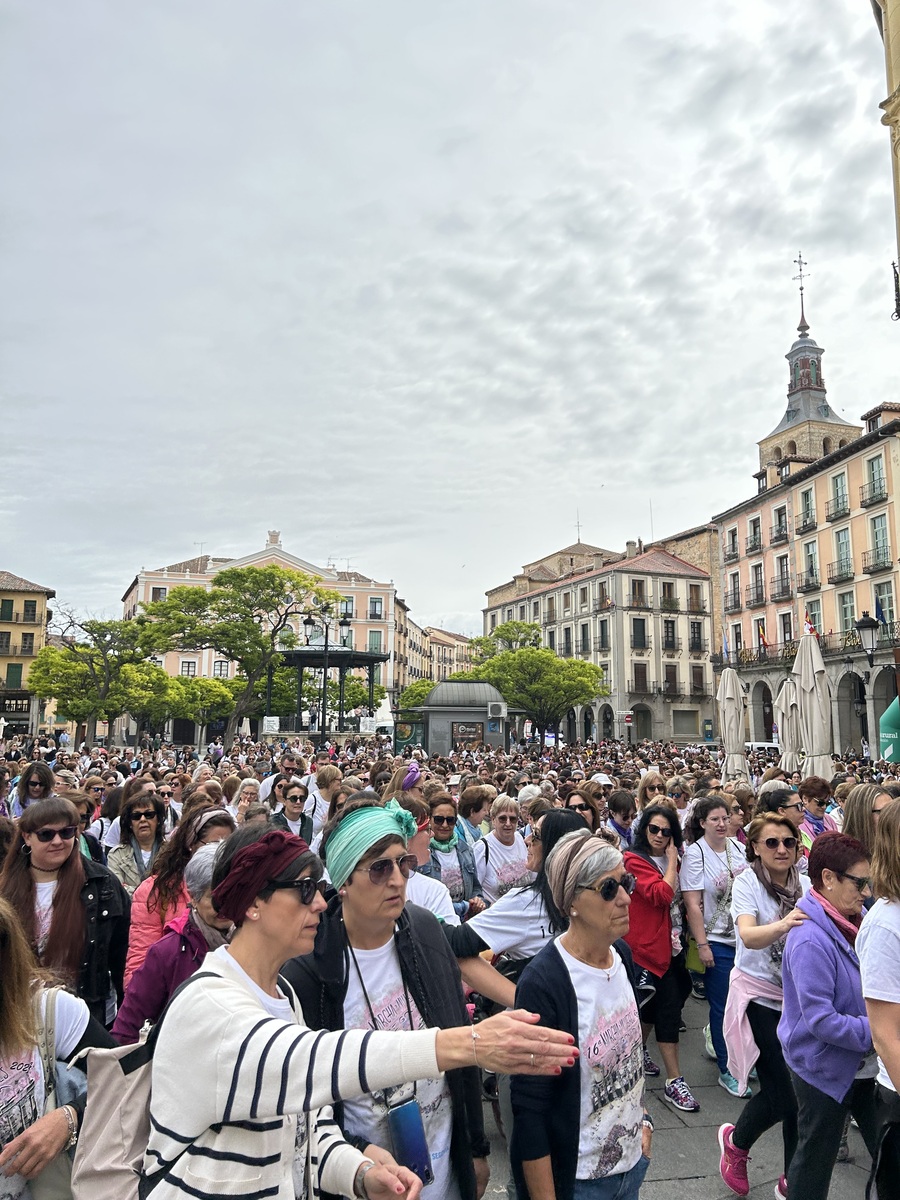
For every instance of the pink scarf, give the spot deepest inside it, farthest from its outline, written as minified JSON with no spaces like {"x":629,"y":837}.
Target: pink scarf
{"x":848,"y":926}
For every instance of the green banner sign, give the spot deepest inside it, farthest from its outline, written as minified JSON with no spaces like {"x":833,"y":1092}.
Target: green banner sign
{"x":889,"y":730}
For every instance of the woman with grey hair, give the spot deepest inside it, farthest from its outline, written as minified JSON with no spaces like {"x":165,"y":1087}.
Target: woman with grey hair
{"x":246,"y":794}
{"x":585,"y":1133}
{"x":501,"y":856}
{"x":178,"y":953}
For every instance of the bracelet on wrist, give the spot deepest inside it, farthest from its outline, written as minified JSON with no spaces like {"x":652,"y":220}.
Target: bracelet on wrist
{"x":359,"y":1184}
{"x":69,"y":1112}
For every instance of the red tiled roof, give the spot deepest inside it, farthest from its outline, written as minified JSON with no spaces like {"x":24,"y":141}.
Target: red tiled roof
{"x":15,"y":583}
{"x":659,"y":562}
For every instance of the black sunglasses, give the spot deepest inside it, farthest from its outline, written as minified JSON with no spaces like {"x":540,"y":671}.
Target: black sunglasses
{"x":609,"y":888}
{"x":655,"y":787}
{"x":862,"y":881}
{"x":381,"y":870}
{"x":660,"y":830}
{"x":146,"y":814}
{"x":451,"y":821}
{"x":789,"y":843}
{"x":35,"y":783}
{"x":578,"y":807}
{"x":306,"y":888}
{"x":164,"y":794}
{"x":67,"y":833}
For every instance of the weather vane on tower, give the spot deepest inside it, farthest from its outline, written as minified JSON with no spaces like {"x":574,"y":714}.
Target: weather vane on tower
{"x":800,"y":263}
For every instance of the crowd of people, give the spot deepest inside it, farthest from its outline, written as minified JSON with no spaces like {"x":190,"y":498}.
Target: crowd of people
{"x":361,"y":954}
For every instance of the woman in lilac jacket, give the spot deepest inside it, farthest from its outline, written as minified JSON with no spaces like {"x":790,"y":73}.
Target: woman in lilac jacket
{"x":824,"y":1030}
{"x":178,"y":953}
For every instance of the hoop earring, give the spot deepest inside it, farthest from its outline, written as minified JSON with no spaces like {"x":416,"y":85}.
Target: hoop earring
{"x":25,"y":850}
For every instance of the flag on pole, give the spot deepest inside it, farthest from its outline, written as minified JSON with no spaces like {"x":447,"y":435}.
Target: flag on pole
{"x":761,"y":634}
{"x":879,"y":613}
{"x":808,"y":626}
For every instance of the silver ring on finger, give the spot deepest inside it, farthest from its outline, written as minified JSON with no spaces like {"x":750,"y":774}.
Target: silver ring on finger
{"x":532,"y":1060}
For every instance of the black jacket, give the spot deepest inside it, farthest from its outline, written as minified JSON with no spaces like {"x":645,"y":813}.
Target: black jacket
{"x":107,"y":910}
{"x":279,"y":820}
{"x":431,"y":973}
{"x":547,"y":1108}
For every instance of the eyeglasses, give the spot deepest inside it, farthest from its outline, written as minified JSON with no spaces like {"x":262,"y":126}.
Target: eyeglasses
{"x":655,"y":787}
{"x":659,"y":830}
{"x":790,"y":807}
{"x":306,"y":888}
{"x":507,"y":819}
{"x":676,"y":795}
{"x":84,"y":819}
{"x":146,"y":814}
{"x":451,"y":821}
{"x":815,"y":800}
{"x":164,"y":794}
{"x":279,"y":787}
{"x":67,"y":833}
{"x":35,"y":783}
{"x":609,"y":888}
{"x":862,"y":881}
{"x":381,"y":870}
{"x":789,"y":843}
{"x":535,"y":835}
{"x":737,"y":810}
{"x":97,"y":789}
{"x":578,"y":807}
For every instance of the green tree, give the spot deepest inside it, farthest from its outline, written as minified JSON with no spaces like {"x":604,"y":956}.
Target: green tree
{"x":510,"y":635}
{"x":199,"y":700}
{"x":247,"y":616}
{"x":543,"y":686}
{"x":416,"y":694}
{"x":88,"y":674}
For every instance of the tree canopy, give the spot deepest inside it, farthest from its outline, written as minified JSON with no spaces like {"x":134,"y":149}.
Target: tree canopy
{"x":415,"y":694}
{"x":510,"y":635}
{"x":247,"y":615}
{"x":539,"y":683}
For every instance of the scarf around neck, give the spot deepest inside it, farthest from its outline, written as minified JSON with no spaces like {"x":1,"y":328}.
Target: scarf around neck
{"x":445,"y":847}
{"x":817,"y":824}
{"x":785,"y":895}
{"x":214,"y":937}
{"x":849,"y":926}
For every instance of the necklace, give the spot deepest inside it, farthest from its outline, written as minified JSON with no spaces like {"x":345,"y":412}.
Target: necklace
{"x":607,"y":971}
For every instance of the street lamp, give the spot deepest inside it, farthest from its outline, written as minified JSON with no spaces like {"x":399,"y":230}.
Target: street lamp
{"x":867,"y":628}
{"x":310,"y":623}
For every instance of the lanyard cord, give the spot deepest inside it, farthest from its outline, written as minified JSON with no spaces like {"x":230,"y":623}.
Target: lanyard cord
{"x":388,"y":1091}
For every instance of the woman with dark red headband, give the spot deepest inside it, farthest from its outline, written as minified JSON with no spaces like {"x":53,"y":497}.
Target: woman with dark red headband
{"x":256,"y":1111}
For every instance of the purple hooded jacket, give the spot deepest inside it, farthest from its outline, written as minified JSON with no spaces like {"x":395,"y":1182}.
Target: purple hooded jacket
{"x":169,"y":962}
{"x":824,"y":1030}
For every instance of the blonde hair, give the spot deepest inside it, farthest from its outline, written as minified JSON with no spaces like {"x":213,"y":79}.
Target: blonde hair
{"x":885,"y":868}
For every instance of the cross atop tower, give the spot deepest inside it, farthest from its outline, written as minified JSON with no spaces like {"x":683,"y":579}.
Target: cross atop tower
{"x":800,"y":263}
{"x":578,"y":523}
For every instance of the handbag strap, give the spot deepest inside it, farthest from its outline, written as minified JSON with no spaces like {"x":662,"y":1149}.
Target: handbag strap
{"x":46,"y":1022}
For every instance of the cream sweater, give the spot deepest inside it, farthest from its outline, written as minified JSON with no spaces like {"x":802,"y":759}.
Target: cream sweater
{"x":228,"y":1080}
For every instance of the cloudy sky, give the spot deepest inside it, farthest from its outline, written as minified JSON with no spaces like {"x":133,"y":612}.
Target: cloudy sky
{"x":416,"y":283}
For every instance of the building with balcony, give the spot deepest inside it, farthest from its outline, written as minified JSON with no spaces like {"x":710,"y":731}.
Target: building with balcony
{"x":643,"y":616}
{"x":887,"y":15}
{"x":23,"y":632}
{"x":817,"y":542}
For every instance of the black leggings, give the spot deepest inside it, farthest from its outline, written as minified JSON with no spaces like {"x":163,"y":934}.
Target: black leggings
{"x":775,"y":1102}
{"x":820,"y":1121}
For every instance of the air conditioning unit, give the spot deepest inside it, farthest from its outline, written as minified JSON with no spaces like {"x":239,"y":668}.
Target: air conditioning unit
{"x":497,"y":709}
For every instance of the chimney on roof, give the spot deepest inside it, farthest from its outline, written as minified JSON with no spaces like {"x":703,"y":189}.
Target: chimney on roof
{"x":630,"y":549}
{"x":640,"y":545}
{"x":274,"y":538}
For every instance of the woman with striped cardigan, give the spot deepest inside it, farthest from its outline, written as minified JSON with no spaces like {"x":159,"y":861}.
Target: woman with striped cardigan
{"x":242,"y":1089}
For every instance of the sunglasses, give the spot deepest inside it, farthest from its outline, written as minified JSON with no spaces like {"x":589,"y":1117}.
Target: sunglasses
{"x":164,"y":794}
{"x":609,"y":888}
{"x":85,"y":819}
{"x":451,"y":821}
{"x":146,"y":814}
{"x":660,"y":830}
{"x":578,"y":807}
{"x":98,"y":789}
{"x":382,"y":869}
{"x":862,"y":881}
{"x":306,"y":888}
{"x":35,"y":783}
{"x":789,"y":843}
{"x":655,"y":787}
{"x":790,"y":807}
{"x":67,"y":833}
{"x":507,"y":820}
{"x":536,"y":835}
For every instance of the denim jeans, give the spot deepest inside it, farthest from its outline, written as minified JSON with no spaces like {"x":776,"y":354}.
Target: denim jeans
{"x":613,"y":1187}
{"x":716,"y":978}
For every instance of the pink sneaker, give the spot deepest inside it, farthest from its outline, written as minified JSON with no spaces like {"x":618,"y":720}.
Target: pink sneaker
{"x":733,"y":1163}
{"x":781,"y":1188}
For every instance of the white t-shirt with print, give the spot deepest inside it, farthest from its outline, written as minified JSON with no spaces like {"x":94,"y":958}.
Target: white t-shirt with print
{"x":500,"y":868}
{"x":367,"y":1116}
{"x":611,"y":1068}
{"x":43,"y":911}
{"x":433,"y":895}
{"x":296,"y":1138}
{"x":517,"y":925}
{"x":710,"y":872}
{"x":22,"y":1088}
{"x":451,"y":873}
{"x":878,"y":948}
{"x":750,"y":898}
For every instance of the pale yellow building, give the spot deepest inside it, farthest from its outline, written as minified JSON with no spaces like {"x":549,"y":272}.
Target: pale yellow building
{"x":887,"y":13}
{"x":23,"y":632}
{"x":446,"y":653}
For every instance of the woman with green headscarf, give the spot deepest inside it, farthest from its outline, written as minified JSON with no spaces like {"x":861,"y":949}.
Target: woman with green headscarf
{"x":382,"y":964}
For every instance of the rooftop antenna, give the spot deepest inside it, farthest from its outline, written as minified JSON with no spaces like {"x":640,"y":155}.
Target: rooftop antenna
{"x":201,"y":545}
{"x":578,"y":523}
{"x":799,"y":263}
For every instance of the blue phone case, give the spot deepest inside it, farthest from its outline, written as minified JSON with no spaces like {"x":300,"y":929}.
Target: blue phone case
{"x":408,"y":1139}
